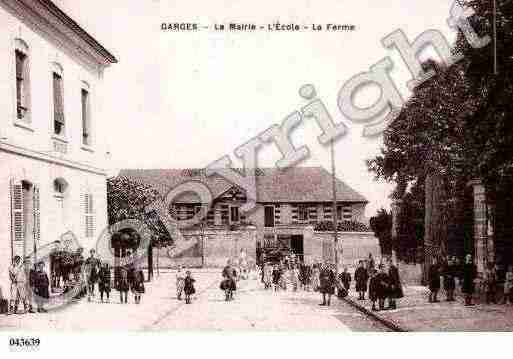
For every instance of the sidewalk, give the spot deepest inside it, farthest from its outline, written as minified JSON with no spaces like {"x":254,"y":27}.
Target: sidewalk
{"x":415,"y":313}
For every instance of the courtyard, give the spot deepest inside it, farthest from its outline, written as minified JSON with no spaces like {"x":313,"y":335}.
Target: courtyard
{"x":254,"y":309}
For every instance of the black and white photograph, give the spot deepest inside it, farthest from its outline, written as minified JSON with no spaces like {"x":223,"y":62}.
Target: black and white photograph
{"x":253,"y":167}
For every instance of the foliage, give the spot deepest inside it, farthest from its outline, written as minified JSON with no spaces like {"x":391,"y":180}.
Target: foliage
{"x":381,"y":225}
{"x":127,"y":199}
{"x":342,"y":226}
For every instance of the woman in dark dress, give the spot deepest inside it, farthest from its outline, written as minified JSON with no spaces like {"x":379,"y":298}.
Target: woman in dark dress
{"x":188,"y":287}
{"x":327,"y":284}
{"x":381,"y":286}
{"x":434,"y":281}
{"x":395,"y":288}
{"x":469,"y":272}
{"x":361,"y":276}
{"x":228,"y":284}
{"x":449,"y":275}
{"x":41,"y":287}
{"x":104,"y":278}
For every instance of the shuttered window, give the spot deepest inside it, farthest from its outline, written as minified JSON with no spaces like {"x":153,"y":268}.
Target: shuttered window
{"x":89,"y":215}
{"x":86,"y":120}
{"x":37,"y":214}
{"x":17,"y":220}
{"x":58,"y":104}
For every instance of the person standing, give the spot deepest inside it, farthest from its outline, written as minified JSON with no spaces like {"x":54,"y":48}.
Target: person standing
{"x":508,"y":286}
{"x":228,"y":284}
{"x":268,"y":275}
{"x":188,"y":287}
{"x":381,"y":286}
{"x":373,"y":289}
{"x":345,"y":280}
{"x":137,"y":285}
{"x":123,"y":285}
{"x":104,"y":277}
{"x":315,"y":277}
{"x":91,"y":265}
{"x":18,"y":279}
{"x":361,"y":276}
{"x":327,"y":284}
{"x":395,"y":288}
{"x":469,"y":273}
{"x":449,"y":275}
{"x":434,"y":280}
{"x":41,"y":287}
{"x":180,"y":282}
{"x":490,"y":282}
{"x":370,"y":264}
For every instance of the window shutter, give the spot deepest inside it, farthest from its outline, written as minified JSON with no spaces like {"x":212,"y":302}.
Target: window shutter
{"x":57,"y":98}
{"x":89,"y":215}
{"x":37,"y":217}
{"x":17,"y":225}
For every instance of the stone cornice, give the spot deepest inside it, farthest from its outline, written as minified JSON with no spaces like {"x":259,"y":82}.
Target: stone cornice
{"x":45,"y":157}
{"x":46,"y":18}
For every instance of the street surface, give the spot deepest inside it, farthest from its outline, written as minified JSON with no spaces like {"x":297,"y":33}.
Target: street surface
{"x":253,"y":309}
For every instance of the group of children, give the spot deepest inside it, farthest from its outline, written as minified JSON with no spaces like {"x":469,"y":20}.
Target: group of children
{"x":184,"y":284}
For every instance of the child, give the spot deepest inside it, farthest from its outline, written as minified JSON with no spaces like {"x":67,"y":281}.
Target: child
{"x":41,"y":287}
{"x":293,"y":277}
{"x":315,"y":277}
{"x":276,"y":277}
{"x":104,"y":281}
{"x":138,"y":286}
{"x":188,"y":287}
{"x":268,"y":276}
{"x":373,"y":295}
{"x":179,"y":282}
{"x":123,"y":285}
{"x":381,"y":286}
{"x":508,"y":286}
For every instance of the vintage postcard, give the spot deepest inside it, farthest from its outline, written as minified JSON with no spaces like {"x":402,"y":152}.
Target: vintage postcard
{"x":253,"y":166}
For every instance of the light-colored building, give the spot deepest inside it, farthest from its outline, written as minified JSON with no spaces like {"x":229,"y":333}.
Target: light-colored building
{"x":52,"y":152}
{"x":293,"y":206}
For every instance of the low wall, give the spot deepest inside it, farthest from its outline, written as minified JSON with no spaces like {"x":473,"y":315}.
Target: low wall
{"x":353,"y":246}
{"x":212,"y":248}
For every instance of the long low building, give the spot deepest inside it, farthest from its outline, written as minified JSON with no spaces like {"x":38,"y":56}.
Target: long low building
{"x":290,"y":204}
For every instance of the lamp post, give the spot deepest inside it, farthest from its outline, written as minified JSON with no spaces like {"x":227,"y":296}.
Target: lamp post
{"x":334,"y":210}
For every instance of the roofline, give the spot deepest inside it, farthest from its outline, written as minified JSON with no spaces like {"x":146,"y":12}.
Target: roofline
{"x":78,"y":30}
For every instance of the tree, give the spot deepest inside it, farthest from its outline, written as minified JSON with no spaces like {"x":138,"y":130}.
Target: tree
{"x":381,"y":225}
{"x":128,"y":199}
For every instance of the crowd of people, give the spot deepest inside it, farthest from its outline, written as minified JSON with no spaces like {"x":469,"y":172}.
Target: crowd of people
{"x":450,"y":273}
{"x":30,"y":284}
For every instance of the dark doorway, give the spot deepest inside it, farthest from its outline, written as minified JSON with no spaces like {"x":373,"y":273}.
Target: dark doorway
{"x":296,"y":245}
{"x":269,"y":216}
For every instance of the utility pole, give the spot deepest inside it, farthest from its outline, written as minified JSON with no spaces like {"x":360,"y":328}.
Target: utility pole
{"x":495,"y":70}
{"x":335,"y":212}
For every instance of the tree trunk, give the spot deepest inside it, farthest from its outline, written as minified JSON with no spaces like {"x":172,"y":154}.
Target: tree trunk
{"x":435,"y":224}
{"x":150,"y":262}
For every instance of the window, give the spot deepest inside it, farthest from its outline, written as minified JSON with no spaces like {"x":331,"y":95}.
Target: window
{"x":302,"y":211}
{"x":58,"y":101}
{"x":234,"y":214}
{"x":344,"y":213}
{"x":86,"y":117}
{"x":22,"y":81}
{"x":59,"y":187}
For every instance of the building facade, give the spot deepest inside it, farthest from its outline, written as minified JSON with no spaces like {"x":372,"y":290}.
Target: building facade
{"x":291,"y":204}
{"x":52,"y":153}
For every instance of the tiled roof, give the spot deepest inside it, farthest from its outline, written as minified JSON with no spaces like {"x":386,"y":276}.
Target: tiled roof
{"x":295,"y":184}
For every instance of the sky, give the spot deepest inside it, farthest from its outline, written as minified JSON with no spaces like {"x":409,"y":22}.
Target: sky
{"x":185,"y":99}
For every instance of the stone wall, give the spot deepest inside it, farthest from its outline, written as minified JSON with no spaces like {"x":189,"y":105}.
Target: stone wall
{"x":219,"y":246}
{"x":354,"y":246}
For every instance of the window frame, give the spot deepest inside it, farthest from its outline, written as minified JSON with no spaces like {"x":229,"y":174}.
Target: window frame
{"x":58,"y":72}
{"x":22,"y":94}
{"x":86,"y":117}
